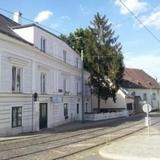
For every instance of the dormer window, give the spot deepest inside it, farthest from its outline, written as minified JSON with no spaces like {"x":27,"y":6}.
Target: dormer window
{"x":64,"y":56}
{"x":43,"y":44}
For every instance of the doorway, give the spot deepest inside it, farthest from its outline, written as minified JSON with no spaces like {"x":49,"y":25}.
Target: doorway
{"x":43,"y":115}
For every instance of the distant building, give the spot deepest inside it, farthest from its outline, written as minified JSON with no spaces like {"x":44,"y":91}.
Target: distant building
{"x":40,"y":79}
{"x":137,"y":87}
{"x":124,"y":102}
{"x":143,"y":87}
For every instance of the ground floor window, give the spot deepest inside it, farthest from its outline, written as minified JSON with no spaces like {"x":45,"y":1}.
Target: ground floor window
{"x":65,"y":110}
{"x":86,"y":107}
{"x":129,"y":106}
{"x":16,"y":116}
{"x":77,"y":108}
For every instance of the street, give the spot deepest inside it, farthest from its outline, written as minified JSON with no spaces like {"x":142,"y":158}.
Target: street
{"x":72,"y":141}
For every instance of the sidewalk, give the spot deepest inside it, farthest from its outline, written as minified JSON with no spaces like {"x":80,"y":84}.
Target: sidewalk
{"x":136,"y":147}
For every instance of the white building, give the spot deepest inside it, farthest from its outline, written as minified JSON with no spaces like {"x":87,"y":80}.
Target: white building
{"x":33,"y":61}
{"x":137,"y":87}
{"x":143,"y":87}
{"x":124,"y":102}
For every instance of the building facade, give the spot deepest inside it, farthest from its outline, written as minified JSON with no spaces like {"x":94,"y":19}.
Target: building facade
{"x":124,"y":102}
{"x":143,"y":87}
{"x":40,"y":79}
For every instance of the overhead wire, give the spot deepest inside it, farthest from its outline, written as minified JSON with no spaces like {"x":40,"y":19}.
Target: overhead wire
{"x":139,"y":21}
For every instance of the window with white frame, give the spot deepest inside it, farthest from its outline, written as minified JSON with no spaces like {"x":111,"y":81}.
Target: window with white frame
{"x":64,"y":85}
{"x":64,"y":56}
{"x":16,"y":79}
{"x":86,"y":107}
{"x":16,"y":116}
{"x":65,"y":110}
{"x":145,"y":97}
{"x":77,"y":108}
{"x":43,"y":79}
{"x":43,"y":44}
{"x":129,"y":106}
{"x":153,"y":96}
{"x":77,"y":87}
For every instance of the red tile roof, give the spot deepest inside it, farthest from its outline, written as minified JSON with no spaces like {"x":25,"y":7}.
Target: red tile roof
{"x":136,"y":78}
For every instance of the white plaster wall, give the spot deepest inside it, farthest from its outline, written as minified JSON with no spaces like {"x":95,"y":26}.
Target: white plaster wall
{"x":33,"y":62}
{"x":140,"y":92}
{"x":7,"y":101}
{"x":120,"y":102}
{"x":27,"y":33}
{"x":55,"y":46}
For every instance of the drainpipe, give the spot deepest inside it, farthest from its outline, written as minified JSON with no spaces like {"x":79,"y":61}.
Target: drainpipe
{"x":32,"y":111}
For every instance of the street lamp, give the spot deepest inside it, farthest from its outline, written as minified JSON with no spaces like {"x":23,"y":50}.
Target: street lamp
{"x":82,"y":79}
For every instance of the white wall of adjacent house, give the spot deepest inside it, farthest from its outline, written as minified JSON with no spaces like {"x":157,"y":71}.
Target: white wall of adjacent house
{"x":32,"y":64}
{"x":152,"y":96}
{"x":110,"y":104}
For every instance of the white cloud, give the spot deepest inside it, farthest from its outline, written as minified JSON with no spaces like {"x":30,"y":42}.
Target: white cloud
{"x":43,"y":16}
{"x":152,"y":20}
{"x":85,"y":11}
{"x":136,"y":6}
{"x":149,"y":63}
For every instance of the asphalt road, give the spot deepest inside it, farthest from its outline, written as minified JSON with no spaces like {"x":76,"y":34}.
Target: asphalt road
{"x":73,"y":141}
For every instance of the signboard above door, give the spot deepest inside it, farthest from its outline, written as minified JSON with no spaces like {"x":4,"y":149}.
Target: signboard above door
{"x":57,"y":99}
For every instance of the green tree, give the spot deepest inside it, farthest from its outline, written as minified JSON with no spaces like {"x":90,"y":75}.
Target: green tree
{"x":102,"y":56}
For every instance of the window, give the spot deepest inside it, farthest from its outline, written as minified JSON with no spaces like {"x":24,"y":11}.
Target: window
{"x":64,"y":56}
{"x":145,"y":97}
{"x":43,"y":44}
{"x":16,"y":79}
{"x":77,"y":62}
{"x":77,"y":86}
{"x":43,"y":83}
{"x":16,"y":117}
{"x":86,"y":107}
{"x":64,"y":85}
{"x":66,"y":110}
{"x":77,"y":108}
{"x":153,"y":96}
{"x":129,"y":106}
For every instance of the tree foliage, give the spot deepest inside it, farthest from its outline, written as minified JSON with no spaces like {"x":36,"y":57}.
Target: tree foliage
{"x":102,"y":56}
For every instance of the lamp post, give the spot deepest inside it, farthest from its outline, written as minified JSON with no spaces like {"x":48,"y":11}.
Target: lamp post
{"x":82,"y":80}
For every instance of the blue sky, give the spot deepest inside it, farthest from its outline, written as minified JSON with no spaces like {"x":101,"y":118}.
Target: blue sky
{"x":140,"y":49}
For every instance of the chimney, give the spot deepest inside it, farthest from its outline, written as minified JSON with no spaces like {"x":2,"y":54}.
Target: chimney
{"x":17,"y":17}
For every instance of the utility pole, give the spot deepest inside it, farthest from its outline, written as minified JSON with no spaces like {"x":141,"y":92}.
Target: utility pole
{"x":82,"y":80}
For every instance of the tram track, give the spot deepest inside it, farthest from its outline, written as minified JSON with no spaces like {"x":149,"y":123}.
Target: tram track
{"x":70,"y":141}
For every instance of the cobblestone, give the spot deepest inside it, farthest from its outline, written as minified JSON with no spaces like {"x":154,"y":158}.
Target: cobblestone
{"x":68,"y":142}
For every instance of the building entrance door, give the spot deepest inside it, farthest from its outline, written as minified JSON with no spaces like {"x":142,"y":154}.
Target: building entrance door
{"x":43,"y":115}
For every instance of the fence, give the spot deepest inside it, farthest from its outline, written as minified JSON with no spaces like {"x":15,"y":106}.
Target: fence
{"x":104,"y":116}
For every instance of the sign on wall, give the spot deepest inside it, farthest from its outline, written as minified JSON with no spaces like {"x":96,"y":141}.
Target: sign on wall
{"x":57,"y":99}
